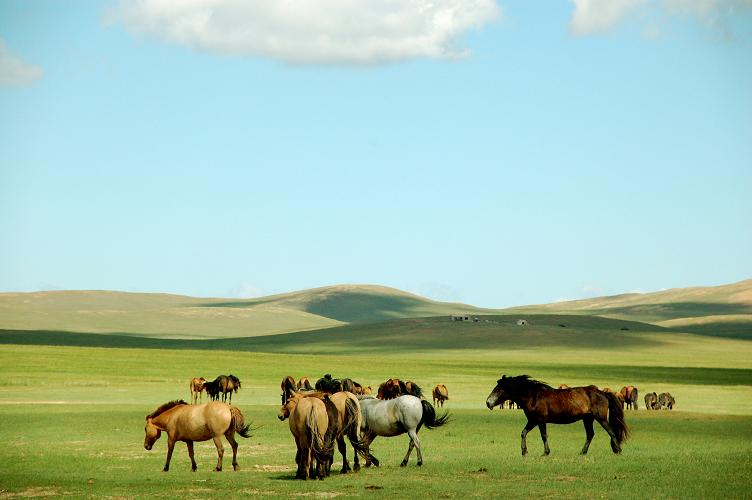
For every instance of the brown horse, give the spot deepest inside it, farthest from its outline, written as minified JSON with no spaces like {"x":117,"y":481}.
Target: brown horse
{"x":629,"y":396}
{"x":543,"y":404}
{"x":197,"y":388}
{"x":308,"y":421}
{"x":666,"y":400}
{"x":304,"y":384}
{"x":651,"y":401}
{"x":367,"y":390}
{"x":349,"y":419}
{"x":390,"y":389}
{"x":440,"y":394}
{"x":288,"y":381}
{"x":189,"y":423}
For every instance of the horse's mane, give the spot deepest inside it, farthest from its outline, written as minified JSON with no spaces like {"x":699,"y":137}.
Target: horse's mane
{"x":526,"y":381}
{"x":165,"y":407}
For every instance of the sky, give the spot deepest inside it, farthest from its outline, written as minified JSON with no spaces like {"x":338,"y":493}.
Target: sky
{"x":497,"y":153}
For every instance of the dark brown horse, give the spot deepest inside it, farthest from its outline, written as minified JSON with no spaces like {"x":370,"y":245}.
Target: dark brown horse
{"x":328,"y":384}
{"x":390,"y":389}
{"x":543,"y":404}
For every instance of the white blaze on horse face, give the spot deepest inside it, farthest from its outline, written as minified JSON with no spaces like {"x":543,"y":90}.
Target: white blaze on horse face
{"x":494,"y":398}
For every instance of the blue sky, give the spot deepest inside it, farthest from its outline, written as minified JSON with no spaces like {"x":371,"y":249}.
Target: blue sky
{"x":496,"y":153}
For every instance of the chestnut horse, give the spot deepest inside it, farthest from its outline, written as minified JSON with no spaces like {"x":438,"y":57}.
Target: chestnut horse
{"x":629,"y":395}
{"x":197,"y":388}
{"x":543,"y":404}
{"x":440,"y":394}
{"x":308,"y":421}
{"x":189,"y":423}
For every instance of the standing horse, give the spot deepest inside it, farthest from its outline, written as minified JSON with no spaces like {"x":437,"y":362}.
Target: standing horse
{"x":288,"y":381}
{"x":394,"y":417}
{"x":440,"y":394}
{"x":222,"y":386}
{"x":349,"y":415}
{"x":189,"y":423}
{"x":328,"y":384}
{"x":543,"y":404}
{"x":304,"y":383}
{"x":651,"y":401}
{"x":308,"y":421}
{"x":629,"y":395}
{"x":391,"y":389}
{"x":666,"y":400}
{"x":197,"y":387}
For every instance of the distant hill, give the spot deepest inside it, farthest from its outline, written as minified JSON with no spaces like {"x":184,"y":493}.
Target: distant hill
{"x":181,"y":317}
{"x":724,"y":310}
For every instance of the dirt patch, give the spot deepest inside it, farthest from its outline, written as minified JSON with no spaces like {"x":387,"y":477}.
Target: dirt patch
{"x":566,"y":478}
{"x":273,"y":468}
{"x":318,"y":494}
{"x":35,"y":492}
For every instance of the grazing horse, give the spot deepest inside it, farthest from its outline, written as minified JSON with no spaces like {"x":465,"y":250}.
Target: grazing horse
{"x":440,"y":394}
{"x":328,"y":384}
{"x":666,"y":400}
{"x":305,"y":384}
{"x":189,"y":423}
{"x":394,"y":417}
{"x":543,"y":404}
{"x":651,"y":401}
{"x":197,"y":387}
{"x":367,"y":390}
{"x":629,"y":395}
{"x":308,"y":421}
{"x":348,"y":410}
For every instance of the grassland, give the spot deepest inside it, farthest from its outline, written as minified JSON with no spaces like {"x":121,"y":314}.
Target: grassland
{"x":72,"y":402}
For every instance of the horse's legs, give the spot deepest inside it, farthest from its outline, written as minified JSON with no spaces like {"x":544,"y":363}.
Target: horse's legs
{"x":230,"y":435}
{"x":343,"y":451}
{"x":528,"y":427}
{"x":189,"y":444}
{"x":220,"y":452}
{"x":544,"y":437}
{"x":589,"y":433}
{"x":614,"y":444}
{"x":368,"y":438}
{"x":414,"y":442}
{"x":170,"y":447}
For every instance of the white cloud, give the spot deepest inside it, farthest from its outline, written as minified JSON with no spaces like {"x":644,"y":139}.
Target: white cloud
{"x":13,"y":71}
{"x":600,"y":16}
{"x":311,"y":31}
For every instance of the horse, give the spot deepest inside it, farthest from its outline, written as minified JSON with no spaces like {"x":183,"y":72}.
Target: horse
{"x":390,"y":389}
{"x":328,"y":384}
{"x":212,"y":389}
{"x":189,"y":423}
{"x":288,"y":381}
{"x":308,"y":421}
{"x":348,"y":385}
{"x":367,"y":390}
{"x":563,"y":386}
{"x":304,"y":383}
{"x":666,"y":400}
{"x":413,"y":389}
{"x":196,"y":386}
{"x":222,"y":386}
{"x":440,"y":394}
{"x":651,"y":401}
{"x":394,"y":417}
{"x":348,"y":408}
{"x":543,"y":404}
{"x":629,"y":394}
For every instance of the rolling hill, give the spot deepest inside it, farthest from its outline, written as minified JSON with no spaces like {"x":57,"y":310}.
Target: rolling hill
{"x":181,"y":317}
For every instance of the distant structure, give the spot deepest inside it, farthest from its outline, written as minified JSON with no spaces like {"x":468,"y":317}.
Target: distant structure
{"x":521,"y":322}
{"x":459,"y":317}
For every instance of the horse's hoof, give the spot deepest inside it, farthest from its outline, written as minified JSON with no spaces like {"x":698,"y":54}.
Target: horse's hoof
{"x":356,"y":468}
{"x":420,"y":463}
{"x":235,"y":467}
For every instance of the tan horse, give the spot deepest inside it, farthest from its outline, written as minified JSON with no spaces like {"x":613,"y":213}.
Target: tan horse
{"x":348,"y":415}
{"x":304,"y":384}
{"x":197,"y":388}
{"x":189,"y":423}
{"x":367,"y":390}
{"x":308,"y":421}
{"x":440,"y":394}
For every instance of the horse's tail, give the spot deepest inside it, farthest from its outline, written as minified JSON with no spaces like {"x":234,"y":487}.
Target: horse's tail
{"x":319,"y":448}
{"x":238,"y":422}
{"x":429,"y":418}
{"x":616,"y":417}
{"x":352,"y":428}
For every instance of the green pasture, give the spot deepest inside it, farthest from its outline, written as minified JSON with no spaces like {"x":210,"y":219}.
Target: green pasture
{"x":73,"y":423}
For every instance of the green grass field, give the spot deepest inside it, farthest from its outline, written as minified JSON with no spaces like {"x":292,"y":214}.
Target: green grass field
{"x":77,"y":377}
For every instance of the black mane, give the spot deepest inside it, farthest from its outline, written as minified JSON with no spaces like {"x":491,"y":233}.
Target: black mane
{"x":165,"y":407}
{"x":525,"y":381}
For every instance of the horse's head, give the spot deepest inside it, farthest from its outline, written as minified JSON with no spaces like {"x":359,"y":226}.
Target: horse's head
{"x":499,"y":394}
{"x":289,"y":401}
{"x":152,"y":434}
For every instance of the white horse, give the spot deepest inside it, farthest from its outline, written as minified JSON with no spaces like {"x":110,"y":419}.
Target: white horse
{"x":393,"y":417}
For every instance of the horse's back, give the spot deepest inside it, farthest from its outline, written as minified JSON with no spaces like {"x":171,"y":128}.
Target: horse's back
{"x":201,"y":422}
{"x":391,"y":417}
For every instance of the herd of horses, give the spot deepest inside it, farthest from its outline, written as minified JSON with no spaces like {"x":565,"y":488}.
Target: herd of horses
{"x":333,"y":410}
